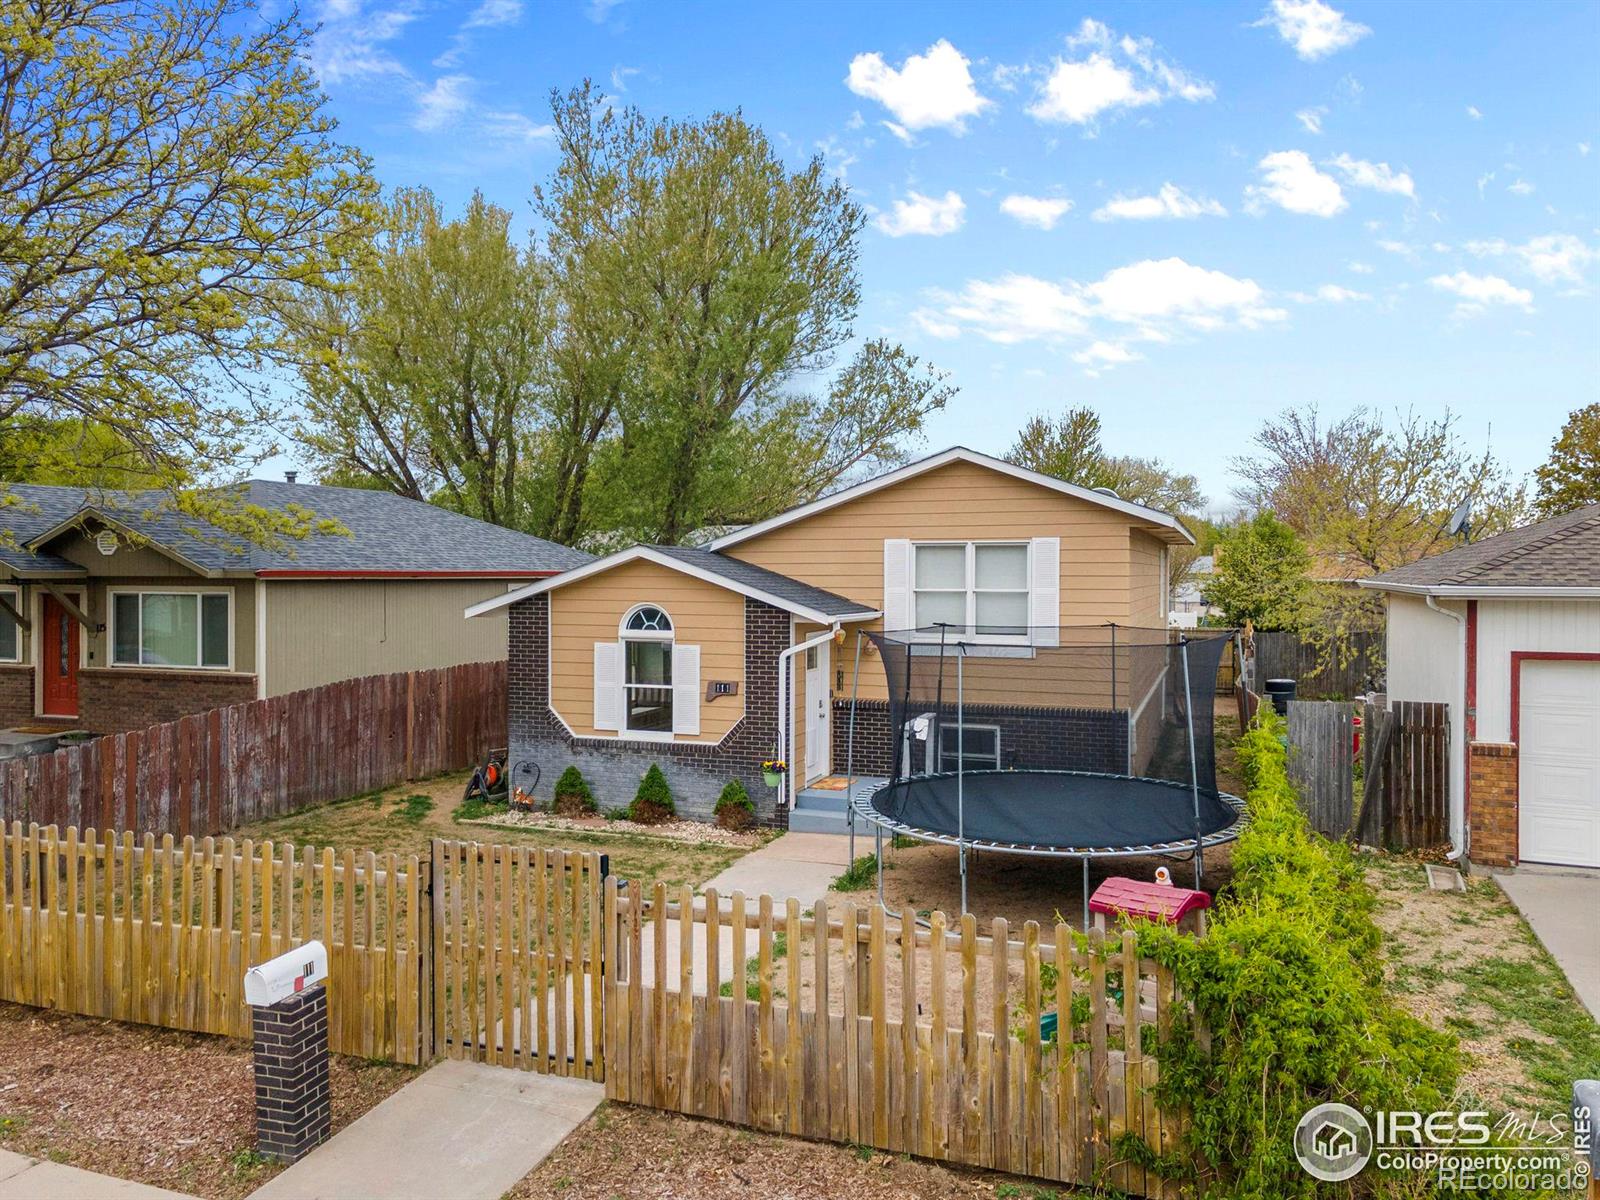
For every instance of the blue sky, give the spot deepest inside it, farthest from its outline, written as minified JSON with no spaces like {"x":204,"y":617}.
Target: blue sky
{"x":1184,"y":216}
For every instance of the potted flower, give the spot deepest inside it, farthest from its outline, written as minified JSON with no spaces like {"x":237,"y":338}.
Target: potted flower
{"x":773,"y":771}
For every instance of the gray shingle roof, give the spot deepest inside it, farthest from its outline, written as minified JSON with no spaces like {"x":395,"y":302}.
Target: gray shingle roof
{"x":1562,"y":552}
{"x":749,"y":575}
{"x":386,"y":532}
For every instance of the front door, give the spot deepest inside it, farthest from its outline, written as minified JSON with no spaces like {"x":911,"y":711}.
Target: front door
{"x":58,"y":660}
{"x":819,"y":749}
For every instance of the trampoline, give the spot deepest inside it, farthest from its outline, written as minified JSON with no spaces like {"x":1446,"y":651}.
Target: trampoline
{"x":1065,"y":742}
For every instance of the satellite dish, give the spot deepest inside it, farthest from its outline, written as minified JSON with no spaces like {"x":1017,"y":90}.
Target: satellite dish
{"x":1460,"y":523}
{"x":1105,"y":491}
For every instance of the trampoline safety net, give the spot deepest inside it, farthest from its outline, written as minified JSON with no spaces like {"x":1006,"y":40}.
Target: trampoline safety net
{"x":1127,"y":711}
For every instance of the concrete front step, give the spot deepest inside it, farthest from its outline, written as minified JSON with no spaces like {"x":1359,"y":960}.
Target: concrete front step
{"x":825,"y":810}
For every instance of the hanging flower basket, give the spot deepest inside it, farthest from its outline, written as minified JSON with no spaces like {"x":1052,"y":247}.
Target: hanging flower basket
{"x":773,"y":771}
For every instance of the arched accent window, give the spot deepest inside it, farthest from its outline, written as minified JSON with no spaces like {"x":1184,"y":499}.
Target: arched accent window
{"x":647,"y":670}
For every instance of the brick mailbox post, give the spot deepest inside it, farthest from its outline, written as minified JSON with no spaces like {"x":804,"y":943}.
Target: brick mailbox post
{"x":289,"y":1021}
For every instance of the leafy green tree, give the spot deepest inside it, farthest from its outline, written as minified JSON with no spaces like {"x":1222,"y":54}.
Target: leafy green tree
{"x":1571,"y":479}
{"x":168,"y":177}
{"x":424,"y":371}
{"x":1376,"y":495}
{"x":1070,"y":448}
{"x":67,"y":452}
{"x":1260,"y":574}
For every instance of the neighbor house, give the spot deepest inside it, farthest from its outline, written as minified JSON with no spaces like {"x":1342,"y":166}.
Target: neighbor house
{"x":117,"y":613}
{"x":1507,"y":632}
{"x":675,"y":655}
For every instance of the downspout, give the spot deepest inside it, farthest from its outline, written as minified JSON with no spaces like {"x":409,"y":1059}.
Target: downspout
{"x":785,"y":715}
{"x":1458,"y":848}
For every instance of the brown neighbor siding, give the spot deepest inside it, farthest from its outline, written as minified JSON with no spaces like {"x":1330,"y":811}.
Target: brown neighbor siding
{"x":695,"y":770}
{"x":16,"y":694}
{"x":117,"y":699}
{"x":1493,"y":770}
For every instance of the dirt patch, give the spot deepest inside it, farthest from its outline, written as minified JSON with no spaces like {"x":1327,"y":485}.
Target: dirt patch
{"x":695,"y":832}
{"x":648,"y":1155}
{"x":176,"y":1110}
{"x":1468,"y":962}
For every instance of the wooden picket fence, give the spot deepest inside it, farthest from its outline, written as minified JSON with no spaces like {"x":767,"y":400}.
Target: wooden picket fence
{"x":1405,"y":802}
{"x":849,"y":1027}
{"x":517,"y":964}
{"x":1321,"y":757}
{"x":161,"y":932}
{"x":214,"y":771}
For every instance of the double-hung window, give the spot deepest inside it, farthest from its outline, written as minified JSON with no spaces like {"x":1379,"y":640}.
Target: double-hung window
{"x":975,"y":588}
{"x":172,"y":629}
{"x":647,"y":683}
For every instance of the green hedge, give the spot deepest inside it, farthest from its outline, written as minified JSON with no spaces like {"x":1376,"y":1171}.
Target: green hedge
{"x":1289,"y":982}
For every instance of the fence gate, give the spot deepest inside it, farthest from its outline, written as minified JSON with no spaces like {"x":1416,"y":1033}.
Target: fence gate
{"x":1405,"y":802}
{"x":517,"y":967}
{"x":1322,"y":761}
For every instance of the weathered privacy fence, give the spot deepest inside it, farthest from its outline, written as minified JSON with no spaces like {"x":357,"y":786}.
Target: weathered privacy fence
{"x":849,"y":1027}
{"x":214,"y":771}
{"x":1401,"y":800}
{"x":517,"y":957}
{"x":161,"y":933}
{"x":1341,"y":668}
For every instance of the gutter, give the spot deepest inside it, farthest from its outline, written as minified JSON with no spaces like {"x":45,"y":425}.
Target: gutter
{"x":785,"y":716}
{"x":1462,"y":591}
{"x":293,"y":573}
{"x":1458,"y":850}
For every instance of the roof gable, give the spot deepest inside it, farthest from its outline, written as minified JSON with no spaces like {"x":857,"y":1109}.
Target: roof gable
{"x":1561,"y":554}
{"x":1167,"y":526}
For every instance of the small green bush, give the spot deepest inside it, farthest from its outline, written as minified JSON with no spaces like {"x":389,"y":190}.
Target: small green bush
{"x":652,"y":803}
{"x":735,"y":810}
{"x":572,"y":795}
{"x":860,"y":874}
{"x":1289,"y":982}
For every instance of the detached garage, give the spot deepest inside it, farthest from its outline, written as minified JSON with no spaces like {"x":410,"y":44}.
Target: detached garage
{"x":1507,"y":632}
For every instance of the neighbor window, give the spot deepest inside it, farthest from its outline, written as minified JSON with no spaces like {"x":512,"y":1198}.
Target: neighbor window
{"x":975,"y":587}
{"x":647,"y":671}
{"x":979,"y":748}
{"x":170,"y":629}
{"x":10,"y":634}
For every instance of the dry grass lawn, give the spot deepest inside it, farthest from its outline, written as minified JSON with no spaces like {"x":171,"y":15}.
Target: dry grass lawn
{"x":176,"y":1110}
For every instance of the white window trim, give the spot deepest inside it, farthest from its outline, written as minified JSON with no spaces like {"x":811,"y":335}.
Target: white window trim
{"x":111,"y":626}
{"x":15,"y":595}
{"x":972,"y":590}
{"x":626,"y":635}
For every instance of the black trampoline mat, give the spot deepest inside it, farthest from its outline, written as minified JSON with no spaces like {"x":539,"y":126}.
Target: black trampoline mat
{"x":1043,"y":809}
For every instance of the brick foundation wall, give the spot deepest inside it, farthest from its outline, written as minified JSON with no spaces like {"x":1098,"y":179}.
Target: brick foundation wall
{"x":696,"y":771}
{"x":117,"y":699}
{"x":1043,"y":739}
{"x":293,"y":1104}
{"x":1492,"y":767}
{"x":16,"y":694}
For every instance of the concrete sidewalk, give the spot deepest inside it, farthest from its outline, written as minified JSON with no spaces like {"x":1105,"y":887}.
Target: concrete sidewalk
{"x":24,"y":1178}
{"x":1560,"y":903}
{"x":797,"y":865}
{"x":460,"y":1131}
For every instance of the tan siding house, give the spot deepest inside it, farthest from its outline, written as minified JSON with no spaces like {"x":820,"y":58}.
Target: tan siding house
{"x":1008,"y":556}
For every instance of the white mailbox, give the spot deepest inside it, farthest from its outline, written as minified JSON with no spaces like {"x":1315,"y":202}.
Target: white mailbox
{"x":279,"y":978}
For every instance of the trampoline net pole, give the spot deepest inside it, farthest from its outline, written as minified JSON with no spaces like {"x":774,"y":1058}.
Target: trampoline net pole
{"x":850,"y":753}
{"x":1194,"y":767}
{"x":961,"y":767}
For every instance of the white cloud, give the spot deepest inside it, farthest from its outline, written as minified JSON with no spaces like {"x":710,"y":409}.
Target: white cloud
{"x":1521,"y":187}
{"x":1117,"y":73}
{"x":1583,"y":149}
{"x":599,"y":11}
{"x":1330,"y":293}
{"x":1477,"y":292}
{"x":349,"y":45}
{"x":1379,"y":177}
{"x":441,"y":104}
{"x":1360,"y":268}
{"x":1293,"y":183}
{"x":930,"y":89}
{"x":620,"y":76}
{"x":1313,"y":28}
{"x":1403,"y":249}
{"x":1472,"y":111}
{"x":1553,"y":258}
{"x":1040,"y":211}
{"x":515,"y":128}
{"x":492,"y":13}
{"x":1311,"y":118}
{"x":927,"y":215}
{"x":1149,"y":301}
{"x":899,"y":131}
{"x":1171,"y":202}
{"x":1101,"y":356}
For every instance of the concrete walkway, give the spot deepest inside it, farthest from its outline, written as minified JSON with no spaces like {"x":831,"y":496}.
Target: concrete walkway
{"x":798,"y":865}
{"x":23,"y":1178}
{"x":460,"y":1131}
{"x":1560,"y":904}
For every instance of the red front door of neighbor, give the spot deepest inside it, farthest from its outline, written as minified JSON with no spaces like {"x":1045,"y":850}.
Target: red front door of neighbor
{"x":58,"y":660}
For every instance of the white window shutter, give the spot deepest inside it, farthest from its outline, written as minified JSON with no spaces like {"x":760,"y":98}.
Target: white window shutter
{"x":1044,"y":590}
{"x":897,"y":568}
{"x":608,"y":685}
{"x":686,"y":689}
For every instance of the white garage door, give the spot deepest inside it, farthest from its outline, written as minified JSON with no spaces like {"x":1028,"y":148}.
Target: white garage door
{"x":1559,"y":790}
